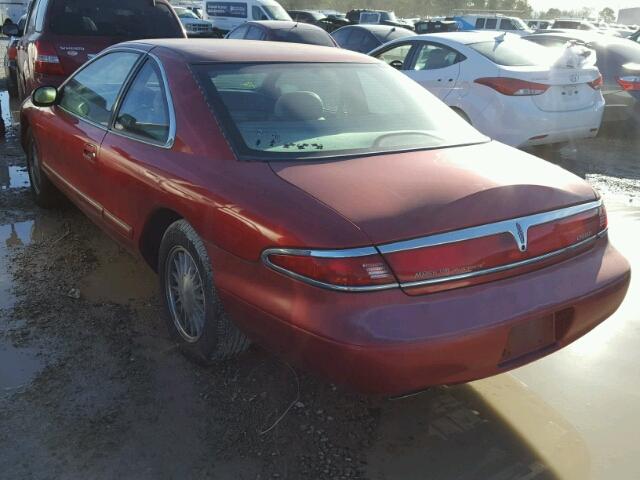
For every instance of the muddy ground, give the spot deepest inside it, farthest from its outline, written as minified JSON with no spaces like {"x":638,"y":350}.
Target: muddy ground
{"x":92,"y":387}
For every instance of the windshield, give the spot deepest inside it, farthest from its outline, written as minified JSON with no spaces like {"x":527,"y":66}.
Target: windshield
{"x":308,"y":110}
{"x":514,"y":53}
{"x":275,"y":11}
{"x":133,"y":20}
{"x":519,"y":23}
{"x":185,"y":13}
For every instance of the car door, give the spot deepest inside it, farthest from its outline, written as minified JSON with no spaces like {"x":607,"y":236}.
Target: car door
{"x":24,"y":67}
{"x":436,"y":67}
{"x":139,"y":142}
{"x":78,"y":124}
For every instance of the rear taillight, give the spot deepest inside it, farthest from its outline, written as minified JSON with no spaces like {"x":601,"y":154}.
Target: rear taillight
{"x":47,"y":61}
{"x":359,"y":269}
{"x":513,"y":86}
{"x":480,"y":254}
{"x":12,"y":52}
{"x":629,"y":82}
{"x":597,"y":83}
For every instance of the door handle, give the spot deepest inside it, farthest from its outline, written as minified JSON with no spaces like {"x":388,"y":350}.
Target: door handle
{"x":90,"y":152}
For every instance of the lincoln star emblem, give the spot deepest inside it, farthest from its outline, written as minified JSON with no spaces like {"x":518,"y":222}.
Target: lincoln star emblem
{"x":521,"y":237}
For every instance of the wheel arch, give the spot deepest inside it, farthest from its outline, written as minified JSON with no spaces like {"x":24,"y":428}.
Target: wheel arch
{"x":153,"y":231}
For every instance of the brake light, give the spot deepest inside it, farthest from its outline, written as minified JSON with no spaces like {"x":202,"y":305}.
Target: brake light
{"x":597,"y":83}
{"x":47,"y":61}
{"x":12,"y":52}
{"x":513,"y":86}
{"x":459,"y":259}
{"x":341,"y":270}
{"x":630,"y":82}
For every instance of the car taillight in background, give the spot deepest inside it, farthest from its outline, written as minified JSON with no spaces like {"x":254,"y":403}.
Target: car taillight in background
{"x":47,"y":61}
{"x":629,"y":82}
{"x":357,"y":269}
{"x":12,"y":51}
{"x":597,"y":83}
{"x":513,"y":86}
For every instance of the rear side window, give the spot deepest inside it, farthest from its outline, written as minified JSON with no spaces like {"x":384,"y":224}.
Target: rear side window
{"x":513,"y":53}
{"x":298,"y":35}
{"x":133,"y":19}
{"x":92,"y":92}
{"x":41,"y":10}
{"x":340,"y":36}
{"x":480,"y":23}
{"x":491,"y":24}
{"x":507,"y":24}
{"x":145,"y":113}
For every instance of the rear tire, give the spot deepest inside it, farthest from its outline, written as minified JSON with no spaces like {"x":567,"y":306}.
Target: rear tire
{"x":45,"y":193}
{"x":195,"y":316}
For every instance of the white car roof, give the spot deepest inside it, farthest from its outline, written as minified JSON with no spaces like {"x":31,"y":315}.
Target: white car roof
{"x":468,"y":37}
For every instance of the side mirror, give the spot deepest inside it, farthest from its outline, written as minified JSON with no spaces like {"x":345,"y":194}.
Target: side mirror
{"x":44,"y":96}
{"x":11,"y":30}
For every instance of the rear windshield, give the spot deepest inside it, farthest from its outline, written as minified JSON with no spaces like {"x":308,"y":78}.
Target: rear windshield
{"x":513,"y":52}
{"x":132,"y":19}
{"x":280,"y":111}
{"x":300,"y":35}
{"x":392,"y":34}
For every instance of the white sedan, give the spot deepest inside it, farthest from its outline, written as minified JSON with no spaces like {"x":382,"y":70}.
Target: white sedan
{"x":510,"y":89}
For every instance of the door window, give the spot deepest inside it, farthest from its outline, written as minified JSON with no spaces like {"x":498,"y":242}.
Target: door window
{"x":239,"y":32}
{"x":480,"y":23}
{"x":507,"y":24}
{"x":31,"y":20}
{"x":145,"y":113}
{"x":258,"y":14}
{"x":91,"y":93}
{"x":396,"y":56}
{"x":491,"y":24}
{"x":432,"y":57}
{"x":41,"y":10}
{"x":255,"y":33}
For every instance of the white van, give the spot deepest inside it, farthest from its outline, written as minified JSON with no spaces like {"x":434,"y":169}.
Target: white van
{"x":12,"y":10}
{"x":492,"y":22}
{"x":228,"y":15}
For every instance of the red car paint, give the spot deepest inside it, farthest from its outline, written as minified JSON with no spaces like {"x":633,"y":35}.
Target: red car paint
{"x":63,"y":53}
{"x":378,"y":341}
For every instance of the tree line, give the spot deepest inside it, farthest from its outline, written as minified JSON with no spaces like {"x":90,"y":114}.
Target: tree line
{"x":432,"y":8}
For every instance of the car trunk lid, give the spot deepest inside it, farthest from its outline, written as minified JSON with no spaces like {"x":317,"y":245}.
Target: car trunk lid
{"x":401,"y":198}
{"x":569,"y":89}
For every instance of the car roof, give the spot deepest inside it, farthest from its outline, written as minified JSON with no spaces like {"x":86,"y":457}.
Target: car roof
{"x":224,"y":50}
{"x":375,"y":28}
{"x":283,"y":24}
{"x":583,"y":36}
{"x":469,"y":37}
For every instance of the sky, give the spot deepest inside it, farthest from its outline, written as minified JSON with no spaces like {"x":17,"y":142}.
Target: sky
{"x":577,"y":4}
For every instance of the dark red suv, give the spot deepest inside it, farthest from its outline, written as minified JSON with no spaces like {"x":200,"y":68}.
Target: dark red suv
{"x":60,"y":35}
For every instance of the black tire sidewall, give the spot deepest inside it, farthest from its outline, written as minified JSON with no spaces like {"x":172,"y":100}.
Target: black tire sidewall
{"x":205,"y":347}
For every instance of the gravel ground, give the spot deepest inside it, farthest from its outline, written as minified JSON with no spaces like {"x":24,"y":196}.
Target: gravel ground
{"x":92,"y":387}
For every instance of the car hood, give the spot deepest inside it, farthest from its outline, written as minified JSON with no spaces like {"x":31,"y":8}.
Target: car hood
{"x":407,"y":195}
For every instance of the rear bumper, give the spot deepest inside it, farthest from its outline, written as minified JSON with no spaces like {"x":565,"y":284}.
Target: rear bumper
{"x":620,"y":106}
{"x":518,"y":121}
{"x":390,"y":343}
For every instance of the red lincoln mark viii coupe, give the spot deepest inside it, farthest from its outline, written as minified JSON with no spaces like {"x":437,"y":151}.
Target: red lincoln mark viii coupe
{"x":322,"y":204}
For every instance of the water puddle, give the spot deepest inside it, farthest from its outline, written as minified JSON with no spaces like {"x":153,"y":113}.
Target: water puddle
{"x":13,"y":236}
{"x":119,"y":277}
{"x":13,"y":177}
{"x":5,"y":108}
{"x":18,"y":367}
